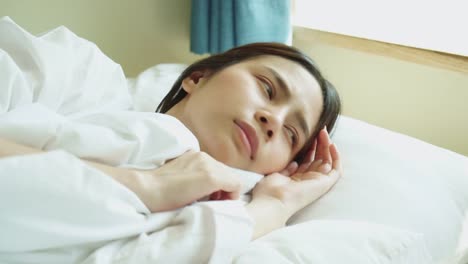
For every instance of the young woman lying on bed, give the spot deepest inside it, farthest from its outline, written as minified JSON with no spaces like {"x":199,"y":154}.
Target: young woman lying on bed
{"x":257,"y":107}
{"x":262,"y":107}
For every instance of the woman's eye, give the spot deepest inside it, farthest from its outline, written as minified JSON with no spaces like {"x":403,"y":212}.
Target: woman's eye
{"x":292,"y":135}
{"x":268,"y":88}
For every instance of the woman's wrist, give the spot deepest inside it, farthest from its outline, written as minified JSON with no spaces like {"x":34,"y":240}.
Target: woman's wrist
{"x":142,"y":183}
{"x":268,"y":213}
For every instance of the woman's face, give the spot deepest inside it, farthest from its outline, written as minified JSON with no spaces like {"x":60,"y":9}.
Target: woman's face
{"x":255,"y":115}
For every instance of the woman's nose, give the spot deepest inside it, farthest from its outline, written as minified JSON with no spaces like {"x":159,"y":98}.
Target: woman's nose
{"x":269,"y":123}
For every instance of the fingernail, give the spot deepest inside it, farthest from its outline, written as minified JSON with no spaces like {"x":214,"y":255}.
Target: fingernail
{"x":326,"y":167}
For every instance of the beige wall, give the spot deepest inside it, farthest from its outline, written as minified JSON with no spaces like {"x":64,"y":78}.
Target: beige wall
{"x":422,"y":101}
{"x":137,"y":34}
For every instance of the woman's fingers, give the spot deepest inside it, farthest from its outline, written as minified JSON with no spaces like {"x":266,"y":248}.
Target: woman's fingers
{"x":314,"y":166}
{"x":326,"y":166}
{"x":308,"y":159}
{"x":323,"y":153}
{"x":227,"y":182}
{"x":218,"y":181}
{"x":311,"y":153}
{"x":323,"y":143}
{"x":329,"y":172}
{"x":336,"y":159}
{"x":303,"y":167}
{"x":222,"y":195}
{"x":333,"y":169}
{"x":319,"y":158}
{"x":302,"y":188}
{"x":290,"y":169}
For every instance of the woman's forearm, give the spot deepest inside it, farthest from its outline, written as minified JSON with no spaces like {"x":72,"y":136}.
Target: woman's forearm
{"x":10,"y":148}
{"x":136,"y":181}
{"x":133,"y":180}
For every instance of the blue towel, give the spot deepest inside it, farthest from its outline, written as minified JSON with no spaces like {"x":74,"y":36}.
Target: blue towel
{"x":218,"y":25}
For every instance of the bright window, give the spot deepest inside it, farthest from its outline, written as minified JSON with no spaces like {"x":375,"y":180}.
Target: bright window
{"x":440,"y":25}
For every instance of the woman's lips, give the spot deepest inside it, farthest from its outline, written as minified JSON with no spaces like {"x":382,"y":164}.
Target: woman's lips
{"x":249,"y":137}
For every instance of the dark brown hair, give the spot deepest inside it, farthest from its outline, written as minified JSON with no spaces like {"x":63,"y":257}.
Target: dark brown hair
{"x":331,"y":100}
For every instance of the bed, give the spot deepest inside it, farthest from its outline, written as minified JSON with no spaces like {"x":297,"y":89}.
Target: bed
{"x":401,"y":200}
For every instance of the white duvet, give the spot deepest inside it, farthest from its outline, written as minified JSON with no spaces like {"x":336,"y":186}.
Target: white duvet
{"x":60,"y":93}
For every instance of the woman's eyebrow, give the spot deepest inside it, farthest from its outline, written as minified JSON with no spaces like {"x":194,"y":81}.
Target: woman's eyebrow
{"x":287,"y":90}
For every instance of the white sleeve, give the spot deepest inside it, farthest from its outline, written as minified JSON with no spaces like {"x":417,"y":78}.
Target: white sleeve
{"x":59,"y":70}
{"x":62,"y":213}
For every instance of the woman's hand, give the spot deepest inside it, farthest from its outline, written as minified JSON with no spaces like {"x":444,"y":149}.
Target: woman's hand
{"x":287,"y":192}
{"x":186,"y":179}
{"x":179,"y":182}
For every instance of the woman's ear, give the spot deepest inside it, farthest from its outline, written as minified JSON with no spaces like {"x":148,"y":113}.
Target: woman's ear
{"x":192,"y":81}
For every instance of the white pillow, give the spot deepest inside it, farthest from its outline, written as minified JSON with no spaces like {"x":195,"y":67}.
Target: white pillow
{"x":398,"y":181}
{"x":328,"y":242}
{"x":150,"y":86}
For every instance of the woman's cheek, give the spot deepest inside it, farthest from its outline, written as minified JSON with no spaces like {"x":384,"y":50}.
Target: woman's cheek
{"x":277,"y":157}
